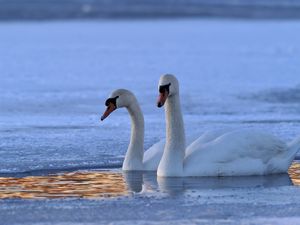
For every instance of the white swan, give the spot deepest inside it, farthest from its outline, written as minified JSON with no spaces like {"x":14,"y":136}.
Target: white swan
{"x":235,"y":153}
{"x":136,"y":158}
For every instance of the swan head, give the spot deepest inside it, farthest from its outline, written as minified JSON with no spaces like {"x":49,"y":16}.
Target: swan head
{"x":118,"y":99}
{"x":167,"y":86}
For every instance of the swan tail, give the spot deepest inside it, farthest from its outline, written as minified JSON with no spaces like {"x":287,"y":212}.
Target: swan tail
{"x":283,"y":161}
{"x":293,"y":148}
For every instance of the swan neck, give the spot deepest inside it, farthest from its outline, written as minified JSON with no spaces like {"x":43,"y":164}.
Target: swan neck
{"x":135,"y":152}
{"x":175,"y":125}
{"x":172,"y":161}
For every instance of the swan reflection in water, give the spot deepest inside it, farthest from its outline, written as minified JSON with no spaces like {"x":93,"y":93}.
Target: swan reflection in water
{"x":149,"y":182}
{"x":107,"y":184}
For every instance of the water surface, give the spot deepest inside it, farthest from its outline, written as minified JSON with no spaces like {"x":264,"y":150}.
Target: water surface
{"x":110,"y":184}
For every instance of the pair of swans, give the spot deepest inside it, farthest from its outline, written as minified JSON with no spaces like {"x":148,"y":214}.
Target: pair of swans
{"x":215,"y":153}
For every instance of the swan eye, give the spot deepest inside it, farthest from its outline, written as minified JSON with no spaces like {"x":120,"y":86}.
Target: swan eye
{"x":112,"y":100}
{"x":164,"y":88}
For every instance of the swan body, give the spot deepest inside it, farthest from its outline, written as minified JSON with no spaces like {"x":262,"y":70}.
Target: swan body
{"x":153,"y":155}
{"x":233,"y":153}
{"x":241,"y":152}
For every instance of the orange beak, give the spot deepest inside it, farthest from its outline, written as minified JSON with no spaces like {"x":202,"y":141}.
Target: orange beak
{"x":162,"y":98}
{"x":110,"y":108}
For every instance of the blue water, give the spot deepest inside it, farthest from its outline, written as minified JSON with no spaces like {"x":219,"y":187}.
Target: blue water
{"x":55,"y":77}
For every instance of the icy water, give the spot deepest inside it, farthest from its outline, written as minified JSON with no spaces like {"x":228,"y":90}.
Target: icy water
{"x":110,"y":184}
{"x":55,"y":77}
{"x":113,"y":197}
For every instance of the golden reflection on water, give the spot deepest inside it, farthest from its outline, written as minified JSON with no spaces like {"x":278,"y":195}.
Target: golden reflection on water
{"x":294,"y":173}
{"x":92,"y":184}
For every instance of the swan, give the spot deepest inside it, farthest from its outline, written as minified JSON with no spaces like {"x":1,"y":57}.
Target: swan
{"x":136,"y":158}
{"x":234,"y":153}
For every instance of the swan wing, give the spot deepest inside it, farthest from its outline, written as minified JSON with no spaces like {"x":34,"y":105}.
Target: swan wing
{"x":206,"y":137}
{"x":241,"y":152}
